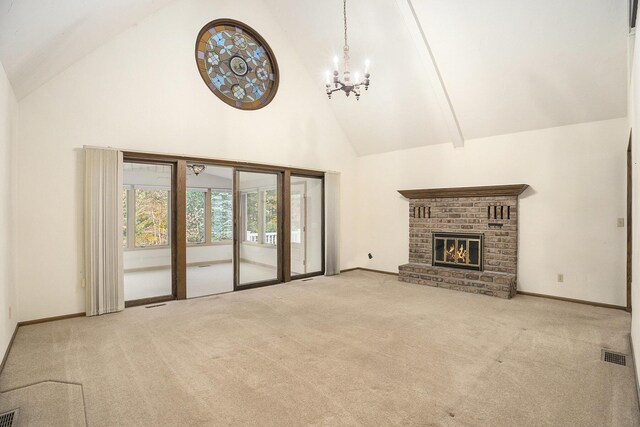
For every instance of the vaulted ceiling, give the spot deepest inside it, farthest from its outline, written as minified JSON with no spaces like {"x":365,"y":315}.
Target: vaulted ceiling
{"x":41,"y":38}
{"x":504,"y":66}
{"x":507,"y":66}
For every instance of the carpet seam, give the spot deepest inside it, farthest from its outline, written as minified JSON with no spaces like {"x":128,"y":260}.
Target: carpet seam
{"x":84,"y":406}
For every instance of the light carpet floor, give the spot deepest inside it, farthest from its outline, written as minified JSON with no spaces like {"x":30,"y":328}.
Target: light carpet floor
{"x":356,"y":349}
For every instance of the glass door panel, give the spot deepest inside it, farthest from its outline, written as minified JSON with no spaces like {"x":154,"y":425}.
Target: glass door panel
{"x":306,"y":225}
{"x":298,"y":228}
{"x":209,"y":229}
{"x":147,"y":229}
{"x":258,"y":230}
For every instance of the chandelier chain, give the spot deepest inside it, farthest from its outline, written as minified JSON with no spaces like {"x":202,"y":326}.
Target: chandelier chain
{"x":345,"y":22}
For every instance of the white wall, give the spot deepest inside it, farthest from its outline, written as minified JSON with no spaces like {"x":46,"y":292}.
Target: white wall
{"x":568,"y":218}
{"x":634,"y":122}
{"x":8,"y":129}
{"x":149,"y":258}
{"x":140,"y":175}
{"x":142,"y":91}
{"x":262,"y":254}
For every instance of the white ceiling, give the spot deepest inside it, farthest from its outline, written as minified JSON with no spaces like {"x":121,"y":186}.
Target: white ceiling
{"x":507,"y":66}
{"x":41,"y":38}
{"x":400,"y":110}
{"x":511,"y":65}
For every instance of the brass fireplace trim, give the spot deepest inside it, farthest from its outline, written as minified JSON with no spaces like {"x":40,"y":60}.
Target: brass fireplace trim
{"x":467,"y":237}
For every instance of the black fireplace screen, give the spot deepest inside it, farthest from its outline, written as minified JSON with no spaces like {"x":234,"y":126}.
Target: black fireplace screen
{"x":458,"y":250}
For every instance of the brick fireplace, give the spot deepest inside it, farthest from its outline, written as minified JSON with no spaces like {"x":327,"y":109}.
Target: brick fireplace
{"x":464,"y":239}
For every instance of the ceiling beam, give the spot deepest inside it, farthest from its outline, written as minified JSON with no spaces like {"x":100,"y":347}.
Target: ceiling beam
{"x":422,"y":45}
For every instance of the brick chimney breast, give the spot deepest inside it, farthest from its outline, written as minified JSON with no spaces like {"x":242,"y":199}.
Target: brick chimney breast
{"x":462,"y":217}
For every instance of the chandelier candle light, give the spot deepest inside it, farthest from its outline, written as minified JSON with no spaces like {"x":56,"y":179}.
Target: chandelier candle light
{"x":346,"y":85}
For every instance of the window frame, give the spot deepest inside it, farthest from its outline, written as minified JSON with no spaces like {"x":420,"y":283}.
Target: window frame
{"x":262,"y":213}
{"x":209,"y":210}
{"x":263,"y":216}
{"x":244,"y":214}
{"x":131,"y":215}
{"x":303,"y":212}
{"x":207,"y":238}
{"x":131,"y":212}
{"x":208,"y":217}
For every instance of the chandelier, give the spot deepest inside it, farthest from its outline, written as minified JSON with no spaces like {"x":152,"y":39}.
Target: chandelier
{"x":197,"y":169}
{"x":346,"y":84}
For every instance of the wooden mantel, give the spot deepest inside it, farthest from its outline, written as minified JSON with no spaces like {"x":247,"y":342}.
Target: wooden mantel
{"x":490,"y":190}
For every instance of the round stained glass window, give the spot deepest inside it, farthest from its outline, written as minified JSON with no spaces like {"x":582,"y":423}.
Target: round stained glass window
{"x":237,"y":64}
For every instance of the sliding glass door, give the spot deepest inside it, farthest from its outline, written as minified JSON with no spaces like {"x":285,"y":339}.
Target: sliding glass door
{"x":258,"y":232}
{"x":196,"y":227}
{"x":209,"y":215}
{"x":306,"y":217}
{"x":147,"y":231}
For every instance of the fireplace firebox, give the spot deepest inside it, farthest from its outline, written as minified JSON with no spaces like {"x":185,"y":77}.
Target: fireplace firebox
{"x":458,"y":250}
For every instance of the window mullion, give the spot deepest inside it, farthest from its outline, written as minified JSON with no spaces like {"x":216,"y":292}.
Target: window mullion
{"x":242,"y":218}
{"x":169,"y":219}
{"x":261,"y":214}
{"x":208,"y":216}
{"x":131,"y":217}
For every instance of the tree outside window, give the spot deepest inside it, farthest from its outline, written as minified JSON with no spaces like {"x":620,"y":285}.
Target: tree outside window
{"x":196,"y":217}
{"x":251,"y":216}
{"x":151,"y":218}
{"x":270,"y":217}
{"x":221,"y":216}
{"x":125,"y":194}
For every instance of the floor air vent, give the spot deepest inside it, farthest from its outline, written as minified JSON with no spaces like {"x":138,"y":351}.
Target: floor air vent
{"x":9,"y":419}
{"x":616,"y":358}
{"x":306,"y":280}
